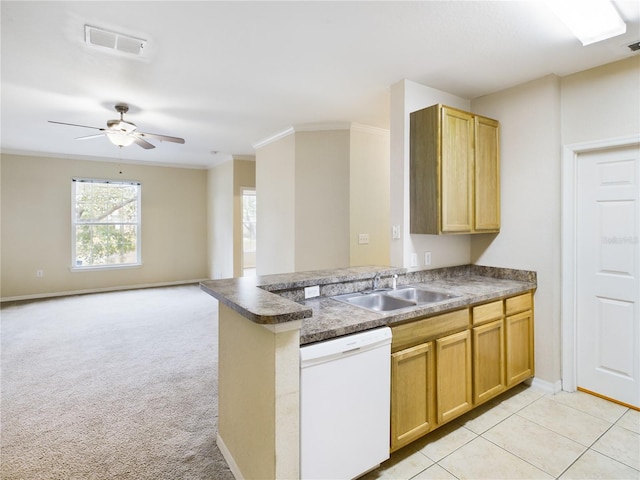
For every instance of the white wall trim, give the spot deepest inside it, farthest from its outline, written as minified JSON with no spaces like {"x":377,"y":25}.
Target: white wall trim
{"x":568,"y":245}
{"x":123,"y":161}
{"x":233,"y":466}
{"x":547,"y":387}
{"x":37,"y":296}
{"x":272,"y":138}
{"x":361,"y":127}
{"x":320,"y":127}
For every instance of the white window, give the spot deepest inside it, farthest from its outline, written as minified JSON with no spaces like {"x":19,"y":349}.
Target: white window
{"x":106,"y":223}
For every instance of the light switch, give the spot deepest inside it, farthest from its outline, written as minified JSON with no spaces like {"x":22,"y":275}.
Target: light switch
{"x":395,"y":232}
{"x":363,"y":239}
{"x":414,"y":259}
{"x":427,"y":258}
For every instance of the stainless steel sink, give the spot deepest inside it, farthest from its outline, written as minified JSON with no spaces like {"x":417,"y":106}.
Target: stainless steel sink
{"x":379,"y":302}
{"x":389,"y":300}
{"x":420,"y":296}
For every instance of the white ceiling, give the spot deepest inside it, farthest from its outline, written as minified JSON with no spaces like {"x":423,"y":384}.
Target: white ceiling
{"x":225,"y":75}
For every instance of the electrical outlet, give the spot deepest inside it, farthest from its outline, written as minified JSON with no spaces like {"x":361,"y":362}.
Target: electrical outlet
{"x":311,"y":292}
{"x":427,"y":258}
{"x":39,"y":273}
{"x":363,"y":239}
{"x":414,"y":259}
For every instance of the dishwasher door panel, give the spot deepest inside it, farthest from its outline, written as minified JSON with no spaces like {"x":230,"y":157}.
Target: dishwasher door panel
{"x":344,"y":413}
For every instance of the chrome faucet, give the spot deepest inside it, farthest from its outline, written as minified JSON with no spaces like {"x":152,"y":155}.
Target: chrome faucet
{"x":394,"y":281}
{"x":376,"y":281}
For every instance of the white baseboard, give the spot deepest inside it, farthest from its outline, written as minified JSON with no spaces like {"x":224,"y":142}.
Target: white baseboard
{"x":548,"y":387}
{"x":233,"y":466}
{"x":37,"y":296}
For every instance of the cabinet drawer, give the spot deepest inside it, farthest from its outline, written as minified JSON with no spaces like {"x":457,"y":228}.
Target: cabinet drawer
{"x":487,"y":312}
{"x":414,"y":333}
{"x":519,"y":303}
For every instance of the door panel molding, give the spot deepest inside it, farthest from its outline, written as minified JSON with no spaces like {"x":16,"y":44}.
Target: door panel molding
{"x":568,"y":248}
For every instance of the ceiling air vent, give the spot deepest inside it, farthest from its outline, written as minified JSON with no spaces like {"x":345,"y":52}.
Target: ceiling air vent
{"x":115,"y":41}
{"x":634,"y":47}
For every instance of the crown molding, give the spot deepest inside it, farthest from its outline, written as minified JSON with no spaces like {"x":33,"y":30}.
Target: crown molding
{"x":320,"y":127}
{"x":272,"y":138}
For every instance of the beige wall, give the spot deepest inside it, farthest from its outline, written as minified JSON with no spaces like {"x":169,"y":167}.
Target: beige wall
{"x":322,"y":199}
{"x":317,"y":189}
{"x":258,"y":420}
{"x":36,"y":226}
{"x":220,"y":235}
{"x":224,"y":233}
{"x":537,"y":119}
{"x":446,"y":250}
{"x":601,"y":103}
{"x":275,"y":185}
{"x":529,"y":237}
{"x":244,"y":176}
{"x":369,"y":196}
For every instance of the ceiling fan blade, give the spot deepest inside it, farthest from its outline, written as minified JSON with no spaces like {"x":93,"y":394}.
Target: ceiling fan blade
{"x":91,"y":136}
{"x":162,"y":138}
{"x":76,"y":125}
{"x":143,"y":143}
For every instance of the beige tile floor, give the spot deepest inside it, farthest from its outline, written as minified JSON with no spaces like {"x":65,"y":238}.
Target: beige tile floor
{"x":526,"y":434}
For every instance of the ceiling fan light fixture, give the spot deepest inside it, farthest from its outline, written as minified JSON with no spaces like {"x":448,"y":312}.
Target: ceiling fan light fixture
{"x":590,"y":21}
{"x":120,"y":139}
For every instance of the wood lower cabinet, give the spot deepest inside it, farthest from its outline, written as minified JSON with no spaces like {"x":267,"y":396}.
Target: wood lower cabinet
{"x":519,"y":338}
{"x":445,"y":365}
{"x":430,"y":381}
{"x":488,"y":351}
{"x":453,"y":376}
{"x":412,"y":394}
{"x":488,"y":361}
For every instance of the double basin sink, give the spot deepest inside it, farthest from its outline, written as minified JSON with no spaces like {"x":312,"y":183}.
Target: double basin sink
{"x":386,"y":300}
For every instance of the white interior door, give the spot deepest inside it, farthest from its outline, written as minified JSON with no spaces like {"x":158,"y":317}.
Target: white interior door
{"x":607,"y":263}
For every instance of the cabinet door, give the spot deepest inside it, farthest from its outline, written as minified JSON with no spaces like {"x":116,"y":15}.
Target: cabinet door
{"x":412,"y":394}
{"x":519,"y":347}
{"x":456,"y":171}
{"x":487,"y":175}
{"x":453,"y":375}
{"x":488,"y":361}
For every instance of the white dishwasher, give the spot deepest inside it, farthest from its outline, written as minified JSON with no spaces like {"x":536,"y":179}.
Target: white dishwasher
{"x":345,"y":388}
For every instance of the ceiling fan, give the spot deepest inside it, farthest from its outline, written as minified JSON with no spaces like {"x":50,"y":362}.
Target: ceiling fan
{"x":123,"y":133}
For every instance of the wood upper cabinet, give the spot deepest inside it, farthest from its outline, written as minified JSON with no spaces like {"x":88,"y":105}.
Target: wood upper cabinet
{"x":487,"y":175}
{"x":454,"y":172}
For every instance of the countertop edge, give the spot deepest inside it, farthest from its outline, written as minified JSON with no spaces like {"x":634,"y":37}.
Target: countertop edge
{"x":255,"y":297}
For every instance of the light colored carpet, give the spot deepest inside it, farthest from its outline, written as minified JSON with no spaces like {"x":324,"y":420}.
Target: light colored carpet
{"x":118,"y":385}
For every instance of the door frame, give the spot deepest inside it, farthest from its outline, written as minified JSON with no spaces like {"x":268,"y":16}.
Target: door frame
{"x":570,"y":155}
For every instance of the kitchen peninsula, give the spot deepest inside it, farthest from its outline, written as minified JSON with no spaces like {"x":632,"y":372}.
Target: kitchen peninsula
{"x":263,"y":321}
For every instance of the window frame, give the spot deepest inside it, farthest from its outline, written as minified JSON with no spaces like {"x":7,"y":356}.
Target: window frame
{"x":83,"y":268}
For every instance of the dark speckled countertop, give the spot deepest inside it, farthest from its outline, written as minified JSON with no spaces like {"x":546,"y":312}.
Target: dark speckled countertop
{"x":274,"y":299}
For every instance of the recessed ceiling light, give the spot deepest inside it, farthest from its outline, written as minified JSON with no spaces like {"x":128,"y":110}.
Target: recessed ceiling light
{"x":590,"y":20}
